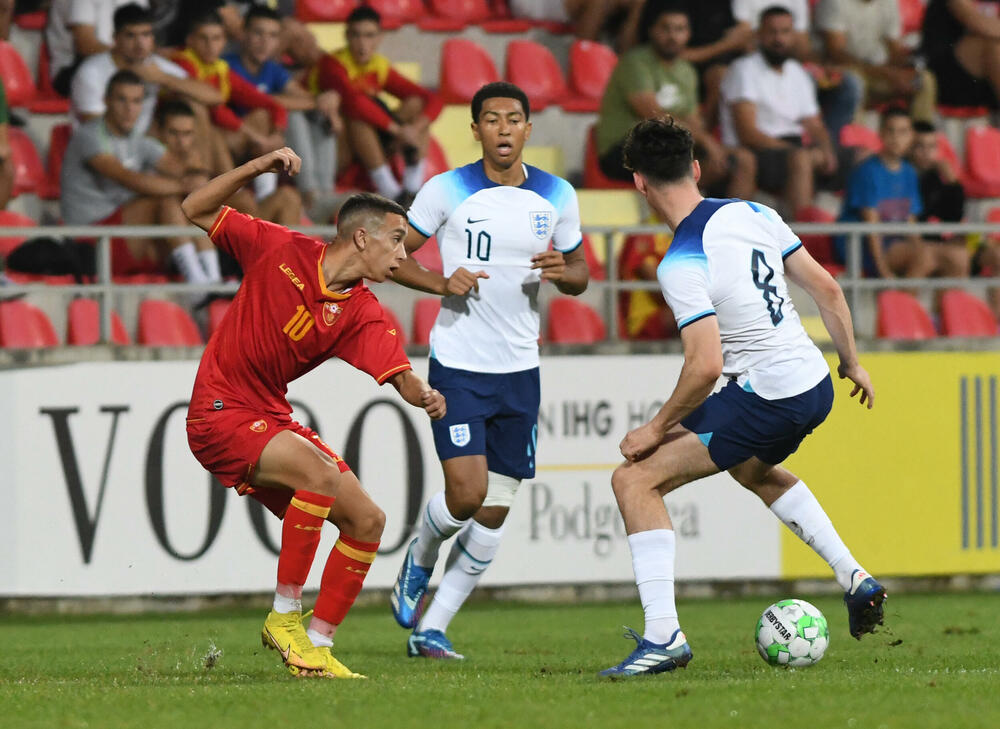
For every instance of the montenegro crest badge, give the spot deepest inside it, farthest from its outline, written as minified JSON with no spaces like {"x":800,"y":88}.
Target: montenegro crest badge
{"x":331,"y":310}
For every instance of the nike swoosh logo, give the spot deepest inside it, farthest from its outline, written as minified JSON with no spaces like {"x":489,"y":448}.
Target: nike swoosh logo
{"x":470,"y":221}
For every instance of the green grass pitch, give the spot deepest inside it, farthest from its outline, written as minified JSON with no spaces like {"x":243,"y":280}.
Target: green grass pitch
{"x":936,"y":664}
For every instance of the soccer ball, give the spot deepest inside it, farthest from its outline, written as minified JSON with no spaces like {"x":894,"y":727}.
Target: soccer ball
{"x":792,"y":633}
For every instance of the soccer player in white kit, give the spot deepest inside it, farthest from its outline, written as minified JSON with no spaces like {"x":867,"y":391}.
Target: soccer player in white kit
{"x":494,"y":220}
{"x":724,"y":278}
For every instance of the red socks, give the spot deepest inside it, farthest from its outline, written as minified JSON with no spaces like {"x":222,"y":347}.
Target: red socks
{"x":300,"y":532}
{"x":343,"y":576}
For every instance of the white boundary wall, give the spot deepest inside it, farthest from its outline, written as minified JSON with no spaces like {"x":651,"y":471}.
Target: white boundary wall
{"x":153,"y":525}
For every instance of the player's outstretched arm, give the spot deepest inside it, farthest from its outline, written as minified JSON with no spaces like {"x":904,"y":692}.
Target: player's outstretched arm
{"x":202,"y":206}
{"x":415,"y":390}
{"x":804,"y":271}
{"x":414,"y":276}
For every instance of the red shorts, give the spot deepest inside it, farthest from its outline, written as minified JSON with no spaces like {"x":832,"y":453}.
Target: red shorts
{"x":228,"y":443}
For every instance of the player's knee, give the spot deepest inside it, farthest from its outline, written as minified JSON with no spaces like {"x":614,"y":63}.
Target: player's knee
{"x":370,"y":525}
{"x":622,"y":481}
{"x":465,"y":499}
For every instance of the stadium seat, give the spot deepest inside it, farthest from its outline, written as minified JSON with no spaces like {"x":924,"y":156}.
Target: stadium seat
{"x":83,"y":327}
{"x":532,"y":66}
{"x":573,"y":322}
{"x":29,"y":176}
{"x":820,"y":246}
{"x":502,"y":21}
{"x":964,"y":315}
{"x":34,"y":20}
{"x":394,"y":325}
{"x":590,"y":67}
{"x":24,"y":326}
{"x":911,"y":13}
{"x":595,"y":265}
{"x":993,"y":216}
{"x":46,"y":100}
{"x":962,"y":112}
{"x":425,"y":311}
{"x":900,"y":316}
{"x":324,"y":11}
{"x":9,"y":243}
{"x":398,"y":12}
{"x":858,"y":135}
{"x":166,"y":324}
{"x":465,"y":67}
{"x":58,"y":141}
{"x":429,"y":255}
{"x":982,"y":162}
{"x":447,"y":16}
{"x":592,"y":175}
{"x":17,"y":80}
{"x":216,"y":312}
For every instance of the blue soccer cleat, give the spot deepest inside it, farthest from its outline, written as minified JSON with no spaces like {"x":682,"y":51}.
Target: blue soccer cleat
{"x":649,"y":658}
{"x":431,"y":644}
{"x":864,"y":603}
{"x":409,"y":591}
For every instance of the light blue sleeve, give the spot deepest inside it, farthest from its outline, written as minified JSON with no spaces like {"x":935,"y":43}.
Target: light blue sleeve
{"x":430,"y":208}
{"x":567,"y":236}
{"x":684,"y":282}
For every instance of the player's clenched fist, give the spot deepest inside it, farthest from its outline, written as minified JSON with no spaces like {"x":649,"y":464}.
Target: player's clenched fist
{"x":551,"y":263}
{"x":639,"y":443}
{"x":463,"y":281}
{"x":281,"y":160}
{"x":434,"y":403}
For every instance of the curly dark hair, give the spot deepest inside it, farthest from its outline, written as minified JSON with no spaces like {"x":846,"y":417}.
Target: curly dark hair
{"x":659,"y":149}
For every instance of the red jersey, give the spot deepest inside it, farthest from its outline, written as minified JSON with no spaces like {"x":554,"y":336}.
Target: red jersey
{"x":284,"y":321}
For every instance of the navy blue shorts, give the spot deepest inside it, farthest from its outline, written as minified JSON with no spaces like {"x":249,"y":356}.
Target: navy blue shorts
{"x":491,"y":414}
{"x":738,"y":424}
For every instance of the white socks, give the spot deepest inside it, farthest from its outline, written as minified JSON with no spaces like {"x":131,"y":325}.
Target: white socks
{"x":437,"y":525}
{"x":186,"y":259}
{"x":385,"y":182}
{"x":413,"y":176}
{"x":286,"y":605}
{"x":801,"y":512}
{"x":210,"y":263}
{"x":471,"y":553}
{"x":653,"y":564}
{"x":319,"y":640}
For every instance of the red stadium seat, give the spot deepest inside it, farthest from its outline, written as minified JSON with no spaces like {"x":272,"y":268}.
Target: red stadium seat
{"x":395,"y":327}
{"x":425,"y":311}
{"x":465,"y":67}
{"x":532,"y":66}
{"x":35,"y":20}
{"x":962,"y":112}
{"x":165,"y":324}
{"x":398,"y":12}
{"x":590,"y":67}
{"x":911,"y":12}
{"x":58,"y":141}
{"x":429,"y":255}
{"x":858,"y":135}
{"x":29,"y":176}
{"x":982,"y":162}
{"x":47,"y":101}
{"x":900,"y":316}
{"x":820,"y":246}
{"x":17,"y":80}
{"x":592,"y":175}
{"x":574,"y":322}
{"x":24,"y":326}
{"x":452,"y":15}
{"x":594,"y":265}
{"x":993,"y":216}
{"x":83,"y":326}
{"x":216,"y":312}
{"x":324,"y":11}
{"x":964,"y":315}
{"x":9,"y":243}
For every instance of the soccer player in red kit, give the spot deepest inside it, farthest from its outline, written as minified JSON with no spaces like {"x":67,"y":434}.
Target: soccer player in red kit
{"x":302,"y":302}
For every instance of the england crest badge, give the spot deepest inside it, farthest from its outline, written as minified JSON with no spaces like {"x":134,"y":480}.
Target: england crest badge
{"x":541,"y":224}
{"x":460,"y":434}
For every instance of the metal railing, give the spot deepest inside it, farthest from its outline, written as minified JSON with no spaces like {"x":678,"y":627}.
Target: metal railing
{"x":852,"y":281}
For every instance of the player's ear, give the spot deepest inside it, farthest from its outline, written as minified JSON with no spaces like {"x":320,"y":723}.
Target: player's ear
{"x":696,"y":170}
{"x":475,"y":132}
{"x":360,"y":238}
{"x":640,"y":182}
{"x":527,"y":131}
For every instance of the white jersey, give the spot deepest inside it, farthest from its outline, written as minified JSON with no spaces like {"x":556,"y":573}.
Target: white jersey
{"x":481,"y":225}
{"x":727,"y":259}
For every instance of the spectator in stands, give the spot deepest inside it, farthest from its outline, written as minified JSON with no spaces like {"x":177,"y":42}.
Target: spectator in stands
{"x":768,"y":102}
{"x":884,"y":189}
{"x":942,"y":194}
{"x":77,"y":29}
{"x":358,"y":73}
{"x":6,"y":163}
{"x":313,"y":121}
{"x":183,"y":161}
{"x":110,"y":176}
{"x":653,"y":79}
{"x":866,"y":36}
{"x":647,"y":315}
{"x":6,"y":15}
{"x":961,"y":42}
{"x":749,"y":12}
{"x":590,"y":19}
{"x":133,"y":49}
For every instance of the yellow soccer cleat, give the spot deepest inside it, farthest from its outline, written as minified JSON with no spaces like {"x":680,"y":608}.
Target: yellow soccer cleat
{"x":284,"y":633}
{"x":334,"y":668}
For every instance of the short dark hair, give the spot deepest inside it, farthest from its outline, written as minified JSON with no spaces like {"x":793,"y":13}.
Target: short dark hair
{"x":364,"y":12}
{"x":922,"y":126}
{"x":209,"y":17}
{"x":659,"y":149}
{"x":125,"y":77}
{"x":893,"y":112}
{"x":131,"y":14}
{"x":499,"y":90}
{"x":170,"y":109}
{"x":260,"y":11}
{"x":772,"y":11}
{"x":366,"y":204}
